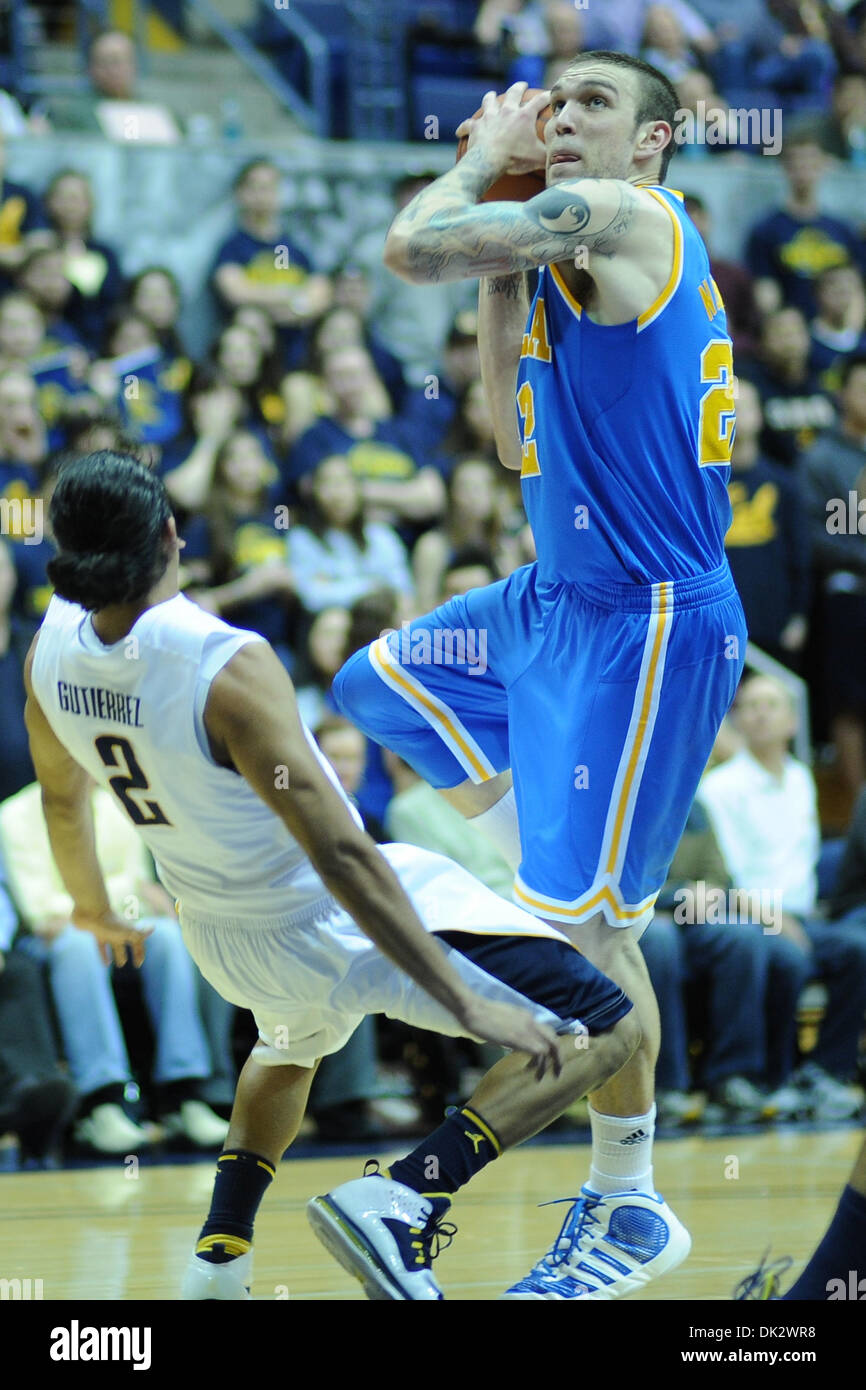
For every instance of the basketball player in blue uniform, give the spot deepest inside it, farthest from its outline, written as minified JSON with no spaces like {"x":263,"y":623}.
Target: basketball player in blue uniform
{"x":609,"y":664}
{"x":286,"y":905}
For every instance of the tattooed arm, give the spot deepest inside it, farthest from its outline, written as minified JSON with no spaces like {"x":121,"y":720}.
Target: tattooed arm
{"x":503,"y":304}
{"x":445,"y":234}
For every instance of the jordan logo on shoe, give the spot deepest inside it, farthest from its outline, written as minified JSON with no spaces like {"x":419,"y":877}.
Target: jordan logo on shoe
{"x":476,"y":1139}
{"x":636,"y":1136}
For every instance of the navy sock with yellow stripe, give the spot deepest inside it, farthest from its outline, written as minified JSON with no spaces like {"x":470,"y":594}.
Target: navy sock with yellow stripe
{"x":241,"y":1181}
{"x":450,"y":1156}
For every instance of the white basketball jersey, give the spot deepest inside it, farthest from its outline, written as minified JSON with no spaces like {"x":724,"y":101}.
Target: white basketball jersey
{"x":132,"y":715}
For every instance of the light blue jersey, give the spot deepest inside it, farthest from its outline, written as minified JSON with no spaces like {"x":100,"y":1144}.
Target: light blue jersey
{"x":627,"y":430}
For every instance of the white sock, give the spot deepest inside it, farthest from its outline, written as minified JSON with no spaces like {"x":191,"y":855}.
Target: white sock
{"x":499,"y":825}
{"x":622,"y":1152}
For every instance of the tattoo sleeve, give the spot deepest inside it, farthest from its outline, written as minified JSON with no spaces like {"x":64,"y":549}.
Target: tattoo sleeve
{"x":448,"y":235}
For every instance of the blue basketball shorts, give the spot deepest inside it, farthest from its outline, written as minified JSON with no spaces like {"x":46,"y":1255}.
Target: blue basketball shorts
{"x":605,"y":702}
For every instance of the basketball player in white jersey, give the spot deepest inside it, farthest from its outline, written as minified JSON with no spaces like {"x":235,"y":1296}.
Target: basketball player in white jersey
{"x":286,"y":905}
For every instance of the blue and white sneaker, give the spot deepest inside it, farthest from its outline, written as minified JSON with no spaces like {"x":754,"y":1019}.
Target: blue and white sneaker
{"x":204,"y":1281}
{"x":384,"y":1234}
{"x":608,"y":1247}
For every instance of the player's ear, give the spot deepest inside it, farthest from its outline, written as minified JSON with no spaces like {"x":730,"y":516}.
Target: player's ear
{"x":655,"y":136}
{"x":173,"y":539}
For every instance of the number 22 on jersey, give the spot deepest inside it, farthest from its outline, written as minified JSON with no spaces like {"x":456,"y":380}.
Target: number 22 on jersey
{"x":718,"y":407}
{"x":530,"y":467}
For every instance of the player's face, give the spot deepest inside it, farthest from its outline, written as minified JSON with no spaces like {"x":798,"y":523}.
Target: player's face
{"x":336,"y":490}
{"x":156,"y":300}
{"x":765,"y":716}
{"x":591,"y":131}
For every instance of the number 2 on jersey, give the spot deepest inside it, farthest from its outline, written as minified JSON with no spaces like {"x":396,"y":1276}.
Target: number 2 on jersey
{"x":526,"y":405}
{"x":108,"y":747}
{"x":718,"y":408}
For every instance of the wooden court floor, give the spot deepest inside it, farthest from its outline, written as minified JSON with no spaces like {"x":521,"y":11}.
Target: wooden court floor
{"x":98,"y":1234}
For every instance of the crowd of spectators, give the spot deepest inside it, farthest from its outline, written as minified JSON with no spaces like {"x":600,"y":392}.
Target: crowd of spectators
{"x":332,"y":467}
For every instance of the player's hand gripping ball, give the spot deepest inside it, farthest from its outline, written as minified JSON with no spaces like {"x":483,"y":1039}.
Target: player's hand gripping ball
{"x":500,"y":126}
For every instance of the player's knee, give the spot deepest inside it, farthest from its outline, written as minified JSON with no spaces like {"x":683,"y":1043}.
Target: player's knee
{"x":353,"y":687}
{"x":626,"y":1036}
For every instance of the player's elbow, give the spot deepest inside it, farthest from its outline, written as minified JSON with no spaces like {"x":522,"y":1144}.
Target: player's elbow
{"x":400,"y":261}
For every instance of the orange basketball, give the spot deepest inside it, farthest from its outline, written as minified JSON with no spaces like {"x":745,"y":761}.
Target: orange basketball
{"x":514,"y":188}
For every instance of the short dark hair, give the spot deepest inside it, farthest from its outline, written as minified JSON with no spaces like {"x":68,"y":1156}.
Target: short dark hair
{"x":260,"y":162}
{"x":657,"y":98}
{"x":108,"y":515}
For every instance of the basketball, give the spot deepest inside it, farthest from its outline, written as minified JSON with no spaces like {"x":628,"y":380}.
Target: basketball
{"x":514,"y":188}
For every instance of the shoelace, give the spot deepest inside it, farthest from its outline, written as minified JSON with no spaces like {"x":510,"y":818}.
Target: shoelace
{"x":763,"y":1283}
{"x":577,"y":1221}
{"x":433,"y":1238}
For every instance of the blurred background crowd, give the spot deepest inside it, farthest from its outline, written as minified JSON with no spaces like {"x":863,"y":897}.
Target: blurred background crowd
{"x":328,"y":450}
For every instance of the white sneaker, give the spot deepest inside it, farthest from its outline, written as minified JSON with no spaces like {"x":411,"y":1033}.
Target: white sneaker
{"x":608,"y":1247}
{"x":196,"y":1122}
{"x":206,"y":1281}
{"x":110,"y":1131}
{"x":384,"y":1234}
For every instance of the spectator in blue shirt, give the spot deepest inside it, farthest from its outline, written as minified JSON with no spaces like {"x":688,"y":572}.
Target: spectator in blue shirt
{"x":91,"y":266}
{"x":250,"y":577}
{"x":260,"y":264}
{"x":789,"y":249}
{"x":381,"y":449}
{"x":796,"y":407}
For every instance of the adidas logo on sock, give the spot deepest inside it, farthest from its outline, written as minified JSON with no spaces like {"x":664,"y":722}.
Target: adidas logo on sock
{"x":635,"y":1137}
